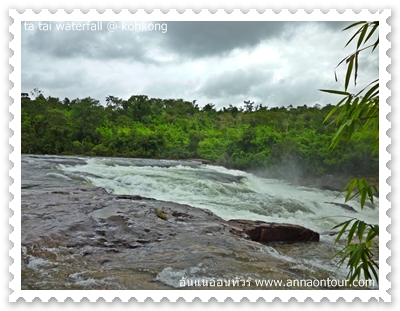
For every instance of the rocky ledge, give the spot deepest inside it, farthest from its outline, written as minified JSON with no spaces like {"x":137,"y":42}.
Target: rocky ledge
{"x":86,"y":238}
{"x":264,"y":232}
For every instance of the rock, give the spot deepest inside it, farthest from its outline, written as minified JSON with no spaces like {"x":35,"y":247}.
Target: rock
{"x":131,"y":197}
{"x":118,"y":242}
{"x":203,"y":161}
{"x":344,"y":206}
{"x":329,"y":182}
{"x":264,"y":232}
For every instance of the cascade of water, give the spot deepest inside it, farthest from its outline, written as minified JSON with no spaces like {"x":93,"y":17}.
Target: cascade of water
{"x":230,"y":194}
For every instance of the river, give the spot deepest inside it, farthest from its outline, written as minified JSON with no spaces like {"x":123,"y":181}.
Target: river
{"x":229,"y":194}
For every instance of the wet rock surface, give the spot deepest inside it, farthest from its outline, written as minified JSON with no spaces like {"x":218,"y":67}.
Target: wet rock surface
{"x":84,"y":238}
{"x":330,"y":182}
{"x":264,"y":232}
{"x":344,"y":206}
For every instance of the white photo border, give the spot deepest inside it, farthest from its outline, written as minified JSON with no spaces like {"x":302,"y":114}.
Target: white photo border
{"x":204,"y":15}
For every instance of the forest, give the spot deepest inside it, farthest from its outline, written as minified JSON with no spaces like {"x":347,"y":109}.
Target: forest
{"x":278,"y":142}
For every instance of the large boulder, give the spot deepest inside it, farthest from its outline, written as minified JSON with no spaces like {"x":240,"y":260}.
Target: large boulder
{"x":329,"y":182}
{"x":264,"y":232}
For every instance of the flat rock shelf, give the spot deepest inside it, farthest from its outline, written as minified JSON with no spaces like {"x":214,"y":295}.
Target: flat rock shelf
{"x":85,"y":238}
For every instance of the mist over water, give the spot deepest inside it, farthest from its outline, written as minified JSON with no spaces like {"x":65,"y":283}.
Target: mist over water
{"x":230,"y":194}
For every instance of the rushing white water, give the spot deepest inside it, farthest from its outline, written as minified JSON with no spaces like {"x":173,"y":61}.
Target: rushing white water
{"x":230,"y":194}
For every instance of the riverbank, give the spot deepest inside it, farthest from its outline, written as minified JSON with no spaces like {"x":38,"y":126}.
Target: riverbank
{"x":78,"y":236}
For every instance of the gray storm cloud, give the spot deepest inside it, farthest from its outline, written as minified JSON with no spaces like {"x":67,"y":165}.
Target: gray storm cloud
{"x":276,"y":63}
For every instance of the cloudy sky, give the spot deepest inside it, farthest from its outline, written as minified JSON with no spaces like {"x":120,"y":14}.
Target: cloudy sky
{"x":273,"y":63}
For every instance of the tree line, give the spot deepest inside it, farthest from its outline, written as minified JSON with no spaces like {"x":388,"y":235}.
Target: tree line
{"x":277,"y":142}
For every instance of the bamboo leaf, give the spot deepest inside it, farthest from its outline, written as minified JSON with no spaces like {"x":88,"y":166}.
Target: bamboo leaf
{"x":356,"y":69}
{"x":350,"y":187}
{"x":350,"y":130}
{"x":344,"y":226}
{"x":345,"y":223}
{"x":374,"y":264}
{"x":371,"y":90}
{"x":355,"y":34}
{"x":334,"y":109}
{"x":336,"y":92}
{"x":375,"y":94}
{"x":361,"y":229}
{"x":362,"y":35}
{"x":376,"y":229}
{"x":372,"y":233}
{"x":338,"y":136}
{"x":357,"y":254}
{"x":363,"y":198}
{"x":365,"y":268}
{"x":361,"y":110}
{"x":341,"y":261}
{"x":368,"y":190}
{"x":371,"y":83}
{"x":375,"y":45}
{"x":367,"y":96}
{"x":353,"y":25}
{"x":356,"y":273}
{"x":348,"y":74}
{"x":376,"y":148}
{"x":376,"y":24}
{"x":359,"y":184}
{"x":372,"y":268}
{"x":352,"y":231}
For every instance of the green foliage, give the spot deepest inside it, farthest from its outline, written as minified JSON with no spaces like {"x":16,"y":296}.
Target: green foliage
{"x":360,"y":258}
{"x":365,"y":189}
{"x":276,"y":142}
{"x":361,"y":109}
{"x":356,"y":115}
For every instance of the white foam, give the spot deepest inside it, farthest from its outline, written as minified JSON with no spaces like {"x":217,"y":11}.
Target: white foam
{"x":35,"y":262}
{"x":181,"y":278}
{"x":231,"y":194}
